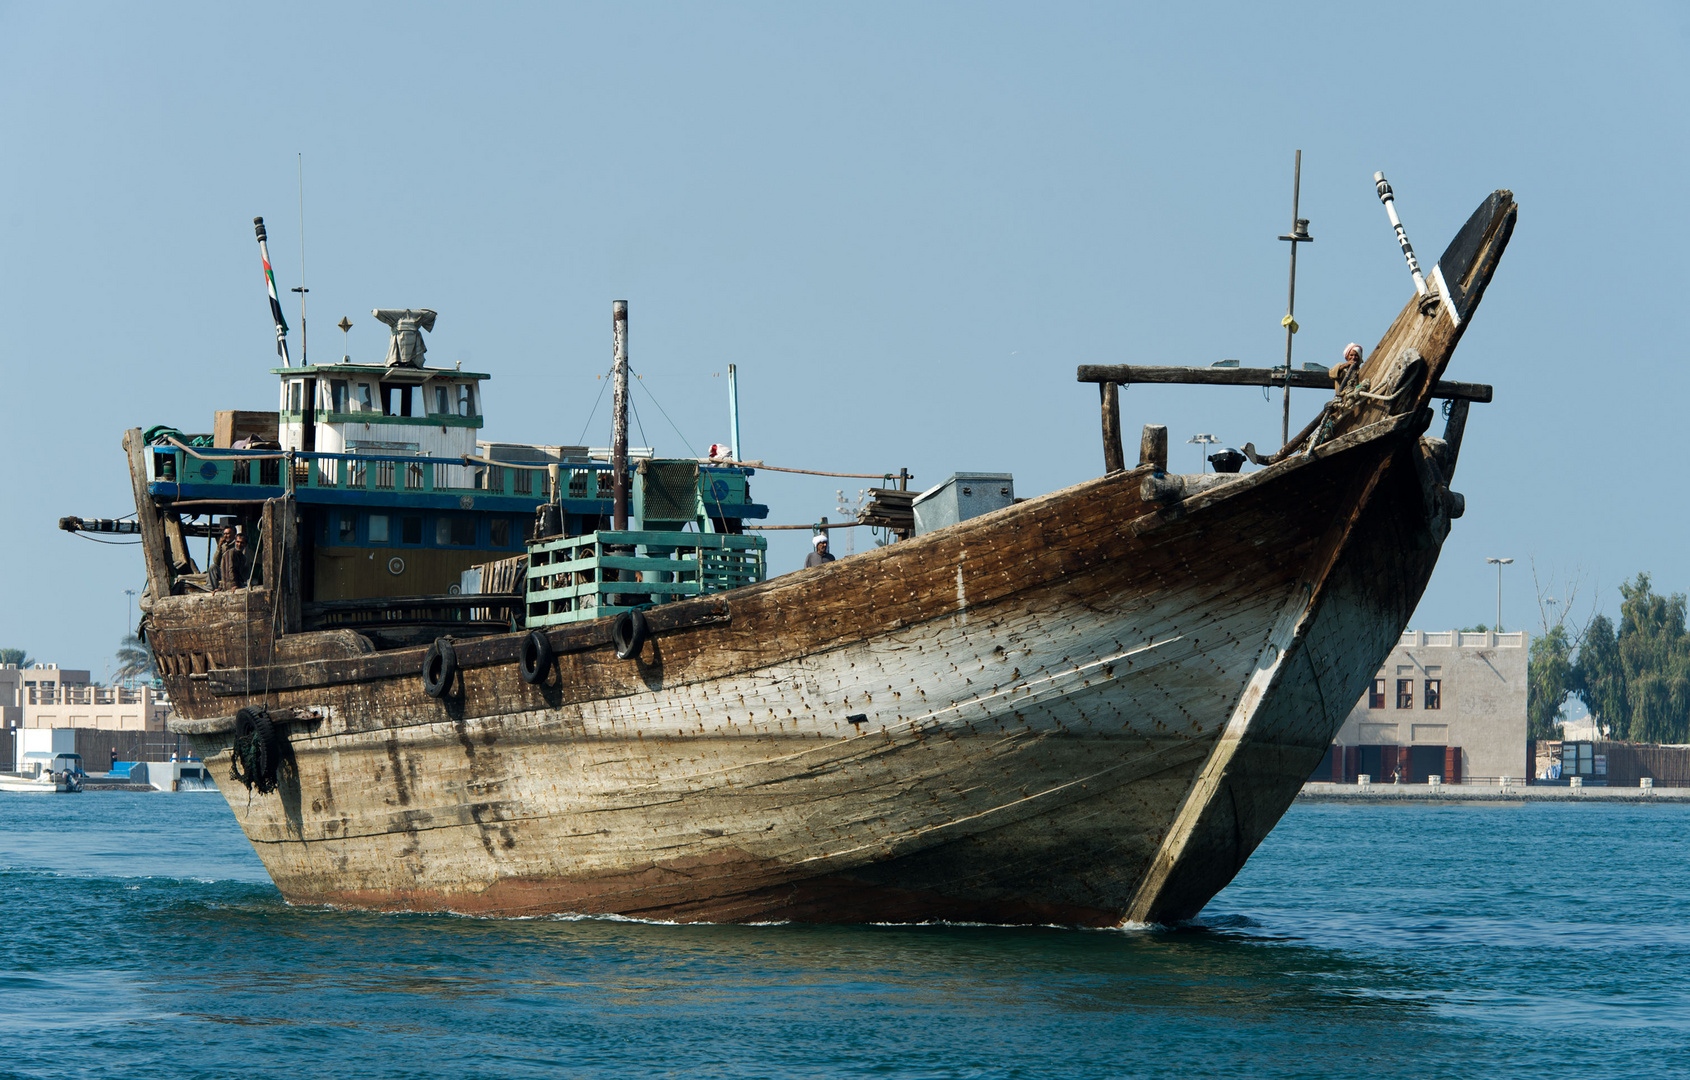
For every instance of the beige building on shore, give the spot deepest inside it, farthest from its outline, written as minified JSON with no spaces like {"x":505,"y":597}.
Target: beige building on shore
{"x":1447,"y":703}
{"x":48,"y":696}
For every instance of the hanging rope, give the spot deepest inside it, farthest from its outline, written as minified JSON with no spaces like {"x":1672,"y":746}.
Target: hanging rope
{"x":604,"y":383}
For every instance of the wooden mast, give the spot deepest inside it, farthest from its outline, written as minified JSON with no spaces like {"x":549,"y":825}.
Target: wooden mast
{"x":619,"y":417}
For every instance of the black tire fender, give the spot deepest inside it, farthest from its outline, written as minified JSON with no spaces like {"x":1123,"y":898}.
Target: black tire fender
{"x":629,"y":634}
{"x":440,"y":666}
{"x":256,"y":732}
{"x":536,"y":657}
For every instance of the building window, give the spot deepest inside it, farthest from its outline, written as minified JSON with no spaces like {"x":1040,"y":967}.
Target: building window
{"x":1376,"y":696}
{"x":499,"y":530}
{"x":1405,"y":693}
{"x":378,"y":528}
{"x":348,"y":533}
{"x":1434,"y":693}
{"x":410,"y":530}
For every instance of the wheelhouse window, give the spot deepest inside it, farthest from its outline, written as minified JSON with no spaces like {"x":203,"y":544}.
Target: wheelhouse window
{"x":442,"y":399}
{"x":337,"y":395}
{"x":347,"y":528}
{"x":1434,"y":694}
{"x":410,"y":530}
{"x":454,"y":531}
{"x":1376,"y":695}
{"x":1405,"y":693}
{"x":378,"y":528}
{"x":389,"y":391}
{"x":296,"y":396}
{"x":466,"y":399}
{"x":499,"y":532}
{"x":366,"y":403}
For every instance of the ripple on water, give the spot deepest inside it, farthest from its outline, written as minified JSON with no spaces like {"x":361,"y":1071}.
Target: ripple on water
{"x":143,"y":937}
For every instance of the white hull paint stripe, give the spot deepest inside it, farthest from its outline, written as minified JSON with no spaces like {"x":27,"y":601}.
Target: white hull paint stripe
{"x":1443,"y":291}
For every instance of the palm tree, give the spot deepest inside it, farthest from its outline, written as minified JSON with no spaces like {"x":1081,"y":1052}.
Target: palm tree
{"x":135,"y":661}
{"x":19,"y":657}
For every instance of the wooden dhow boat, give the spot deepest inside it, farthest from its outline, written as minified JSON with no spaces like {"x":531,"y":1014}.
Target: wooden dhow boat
{"x":1087,"y":707}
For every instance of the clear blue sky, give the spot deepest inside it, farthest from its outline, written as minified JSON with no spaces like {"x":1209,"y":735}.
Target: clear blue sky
{"x":905,"y":223}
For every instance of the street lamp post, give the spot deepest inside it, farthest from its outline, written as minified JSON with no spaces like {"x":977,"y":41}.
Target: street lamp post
{"x":127,"y":631}
{"x":1202,"y":441}
{"x":1500,"y":563}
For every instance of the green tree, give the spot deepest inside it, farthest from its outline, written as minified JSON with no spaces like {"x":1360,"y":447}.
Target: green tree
{"x":1549,"y":681}
{"x":1599,"y":678}
{"x":19,"y":657}
{"x":1655,"y":653}
{"x":1635,"y":678}
{"x":135,"y":661}
{"x":1479,"y":629}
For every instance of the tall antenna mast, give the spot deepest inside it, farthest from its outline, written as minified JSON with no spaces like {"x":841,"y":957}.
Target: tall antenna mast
{"x":304,"y":349}
{"x":733,"y":412}
{"x":1299,"y":235}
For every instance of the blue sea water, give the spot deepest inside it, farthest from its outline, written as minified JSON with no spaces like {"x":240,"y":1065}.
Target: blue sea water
{"x":142,"y":938}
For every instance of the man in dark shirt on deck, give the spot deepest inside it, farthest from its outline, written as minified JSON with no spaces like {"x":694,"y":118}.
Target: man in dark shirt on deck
{"x":821,"y":556}
{"x":230,"y":569}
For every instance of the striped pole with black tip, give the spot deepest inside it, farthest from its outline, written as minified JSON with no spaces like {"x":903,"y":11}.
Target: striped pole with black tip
{"x":1388,"y":197}
{"x":275,"y":302}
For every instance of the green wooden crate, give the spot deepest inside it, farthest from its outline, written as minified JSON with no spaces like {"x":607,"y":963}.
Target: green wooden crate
{"x":566,"y":574}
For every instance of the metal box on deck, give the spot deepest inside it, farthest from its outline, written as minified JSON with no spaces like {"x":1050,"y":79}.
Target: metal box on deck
{"x":963,"y":496}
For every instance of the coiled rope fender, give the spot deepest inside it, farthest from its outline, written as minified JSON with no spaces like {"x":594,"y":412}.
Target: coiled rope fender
{"x":256,"y":753}
{"x":536,"y":658}
{"x":629,"y":634}
{"x":440,"y":664}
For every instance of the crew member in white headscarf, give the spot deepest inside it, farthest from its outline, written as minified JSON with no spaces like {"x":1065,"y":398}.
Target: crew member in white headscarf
{"x":1348,"y":366}
{"x":821,"y":556}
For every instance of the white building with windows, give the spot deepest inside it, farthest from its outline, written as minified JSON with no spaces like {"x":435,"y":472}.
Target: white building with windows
{"x":48,"y":696}
{"x":1446,"y":703}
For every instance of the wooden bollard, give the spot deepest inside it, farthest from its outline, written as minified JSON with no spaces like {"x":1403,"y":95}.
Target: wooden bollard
{"x":1114,"y":457}
{"x":1153,"y":447}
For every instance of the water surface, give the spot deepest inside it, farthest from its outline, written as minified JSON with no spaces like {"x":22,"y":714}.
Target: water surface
{"x":143,"y":938}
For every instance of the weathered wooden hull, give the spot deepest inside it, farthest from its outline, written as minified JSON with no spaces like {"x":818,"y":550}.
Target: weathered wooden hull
{"x":1043,"y":692}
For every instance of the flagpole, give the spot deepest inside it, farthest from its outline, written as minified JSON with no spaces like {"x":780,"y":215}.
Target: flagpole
{"x":275,"y":302}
